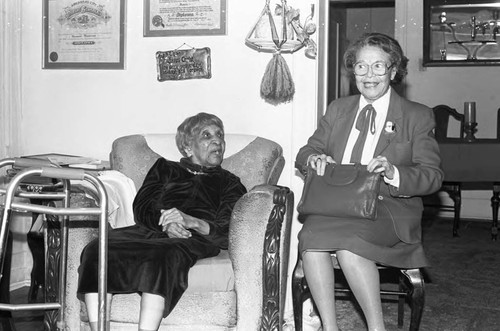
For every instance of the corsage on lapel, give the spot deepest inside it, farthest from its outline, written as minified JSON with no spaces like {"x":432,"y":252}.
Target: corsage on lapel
{"x":390,"y":128}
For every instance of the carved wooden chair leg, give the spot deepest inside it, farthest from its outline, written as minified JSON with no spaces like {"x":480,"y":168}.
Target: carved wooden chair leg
{"x":417,"y":297}
{"x":36,"y":246}
{"x":299,"y":293}
{"x":401,"y":301}
{"x":456,"y":196}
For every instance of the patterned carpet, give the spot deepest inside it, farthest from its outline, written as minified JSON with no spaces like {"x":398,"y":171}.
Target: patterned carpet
{"x":462,"y":292}
{"x":462,"y":285}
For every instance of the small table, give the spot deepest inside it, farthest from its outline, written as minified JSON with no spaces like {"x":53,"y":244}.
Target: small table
{"x":476,"y":162}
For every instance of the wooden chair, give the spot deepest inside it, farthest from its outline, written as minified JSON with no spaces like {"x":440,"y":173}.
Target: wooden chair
{"x":442,"y":114}
{"x":411,"y":287}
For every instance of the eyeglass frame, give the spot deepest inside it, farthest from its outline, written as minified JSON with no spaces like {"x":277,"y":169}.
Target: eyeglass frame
{"x":371,"y":67}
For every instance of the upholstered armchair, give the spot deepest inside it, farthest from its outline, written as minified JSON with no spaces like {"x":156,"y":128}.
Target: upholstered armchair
{"x":242,"y":288}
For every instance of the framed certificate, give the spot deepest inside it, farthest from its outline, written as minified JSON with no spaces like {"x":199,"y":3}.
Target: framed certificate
{"x":181,"y":18}
{"x":83,"y":34}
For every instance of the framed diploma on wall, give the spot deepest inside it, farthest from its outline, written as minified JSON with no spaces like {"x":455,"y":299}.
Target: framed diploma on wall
{"x":83,"y":34}
{"x":184,"y":18}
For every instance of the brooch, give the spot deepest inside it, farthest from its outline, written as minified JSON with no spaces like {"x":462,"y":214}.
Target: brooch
{"x":389,"y":127}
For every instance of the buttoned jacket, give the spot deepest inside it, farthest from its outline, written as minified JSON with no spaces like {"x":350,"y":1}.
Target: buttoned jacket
{"x":410,"y":146}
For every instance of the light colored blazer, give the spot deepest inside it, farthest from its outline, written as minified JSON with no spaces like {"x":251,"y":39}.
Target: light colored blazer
{"x":411,"y":148}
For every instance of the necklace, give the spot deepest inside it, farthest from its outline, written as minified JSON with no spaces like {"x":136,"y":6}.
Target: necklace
{"x":194,"y":172}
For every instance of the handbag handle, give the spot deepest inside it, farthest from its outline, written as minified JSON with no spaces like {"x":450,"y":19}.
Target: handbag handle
{"x":336,"y":174}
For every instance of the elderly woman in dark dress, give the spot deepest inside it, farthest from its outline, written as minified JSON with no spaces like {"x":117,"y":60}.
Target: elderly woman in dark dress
{"x":182,"y":214}
{"x":399,"y":145}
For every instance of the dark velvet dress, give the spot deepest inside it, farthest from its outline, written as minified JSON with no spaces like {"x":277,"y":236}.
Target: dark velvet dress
{"x":142,"y":258}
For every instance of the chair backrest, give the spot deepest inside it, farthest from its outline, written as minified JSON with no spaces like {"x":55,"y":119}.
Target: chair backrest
{"x":442,"y":115}
{"x":255,"y":160}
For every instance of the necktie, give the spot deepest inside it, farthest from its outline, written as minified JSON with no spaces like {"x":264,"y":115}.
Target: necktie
{"x":365,"y":122}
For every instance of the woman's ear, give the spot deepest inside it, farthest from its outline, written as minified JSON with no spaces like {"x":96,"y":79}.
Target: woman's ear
{"x":188,"y":151}
{"x":394,"y":71}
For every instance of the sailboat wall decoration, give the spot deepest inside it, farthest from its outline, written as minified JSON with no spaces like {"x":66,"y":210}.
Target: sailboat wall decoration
{"x":278,"y":32}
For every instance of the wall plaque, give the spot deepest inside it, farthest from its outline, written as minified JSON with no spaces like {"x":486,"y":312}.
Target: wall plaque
{"x":183,"y":64}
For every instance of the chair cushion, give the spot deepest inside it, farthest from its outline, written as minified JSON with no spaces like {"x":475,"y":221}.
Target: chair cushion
{"x":214,"y":274}
{"x":208,"y":277}
{"x":125,"y":309}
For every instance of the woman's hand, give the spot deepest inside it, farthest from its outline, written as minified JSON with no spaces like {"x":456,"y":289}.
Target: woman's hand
{"x":176,"y":230}
{"x":176,"y":223}
{"x":319,"y":162}
{"x":382,"y":166}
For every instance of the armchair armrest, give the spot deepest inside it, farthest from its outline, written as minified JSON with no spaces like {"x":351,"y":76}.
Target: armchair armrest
{"x":259,"y":241}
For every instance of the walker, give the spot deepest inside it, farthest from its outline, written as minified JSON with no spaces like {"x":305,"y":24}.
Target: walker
{"x":44,"y":168}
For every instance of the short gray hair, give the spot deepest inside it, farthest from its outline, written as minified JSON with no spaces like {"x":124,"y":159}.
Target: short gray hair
{"x":191,"y":126}
{"x":387,"y":44}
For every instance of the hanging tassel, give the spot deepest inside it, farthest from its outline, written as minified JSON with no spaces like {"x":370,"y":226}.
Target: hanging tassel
{"x":277,"y":84}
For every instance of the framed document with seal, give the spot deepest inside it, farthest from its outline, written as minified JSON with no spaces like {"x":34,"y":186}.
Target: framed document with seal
{"x":183,"y":18}
{"x":83,"y":34}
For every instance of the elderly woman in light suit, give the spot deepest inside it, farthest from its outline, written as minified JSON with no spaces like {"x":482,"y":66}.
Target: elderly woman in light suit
{"x":399,"y":145}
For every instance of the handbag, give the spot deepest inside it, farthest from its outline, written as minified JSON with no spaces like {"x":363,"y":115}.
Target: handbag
{"x":345,"y":190}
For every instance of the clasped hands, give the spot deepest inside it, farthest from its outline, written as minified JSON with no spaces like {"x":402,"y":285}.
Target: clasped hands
{"x":379,"y":164}
{"x":175,"y":223}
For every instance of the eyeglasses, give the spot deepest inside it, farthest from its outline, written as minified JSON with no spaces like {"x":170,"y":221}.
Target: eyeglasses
{"x":378,"y":68}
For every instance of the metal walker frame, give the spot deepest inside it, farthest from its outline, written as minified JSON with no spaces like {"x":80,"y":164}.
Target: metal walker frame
{"x":44,"y":168}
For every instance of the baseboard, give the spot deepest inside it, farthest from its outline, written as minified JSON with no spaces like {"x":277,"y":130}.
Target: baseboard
{"x":476,"y":205}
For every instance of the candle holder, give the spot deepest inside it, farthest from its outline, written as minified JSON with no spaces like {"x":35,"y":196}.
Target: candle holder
{"x":470,"y":129}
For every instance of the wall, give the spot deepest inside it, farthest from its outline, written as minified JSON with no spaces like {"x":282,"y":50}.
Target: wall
{"x":82,"y":111}
{"x":451,"y":86}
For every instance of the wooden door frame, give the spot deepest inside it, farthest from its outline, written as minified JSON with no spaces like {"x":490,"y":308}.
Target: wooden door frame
{"x":323,"y":45}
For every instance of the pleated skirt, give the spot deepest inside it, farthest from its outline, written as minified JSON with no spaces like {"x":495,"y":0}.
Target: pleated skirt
{"x":375,"y":240}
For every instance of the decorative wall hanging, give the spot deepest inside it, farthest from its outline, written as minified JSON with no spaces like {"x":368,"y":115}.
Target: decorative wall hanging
{"x":83,"y":34}
{"x":182,"y":18}
{"x":277,"y":32}
{"x":181,"y":64}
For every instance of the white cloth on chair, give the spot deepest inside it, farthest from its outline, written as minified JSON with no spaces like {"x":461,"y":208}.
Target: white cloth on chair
{"x":121,"y":192}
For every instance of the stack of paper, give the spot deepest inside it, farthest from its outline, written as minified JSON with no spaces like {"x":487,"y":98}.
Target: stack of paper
{"x":73,"y":161}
